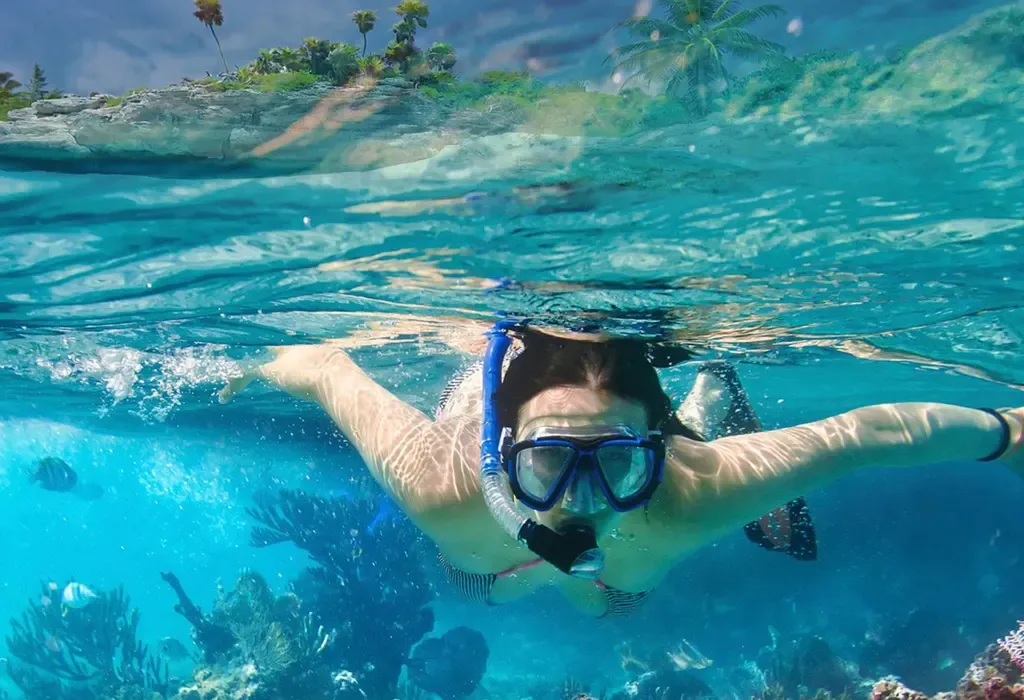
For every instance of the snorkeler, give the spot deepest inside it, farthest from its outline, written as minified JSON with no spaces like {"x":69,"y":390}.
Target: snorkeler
{"x":562,"y":462}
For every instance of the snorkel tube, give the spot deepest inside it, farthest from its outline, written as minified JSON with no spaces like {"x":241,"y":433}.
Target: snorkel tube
{"x":574,"y":551}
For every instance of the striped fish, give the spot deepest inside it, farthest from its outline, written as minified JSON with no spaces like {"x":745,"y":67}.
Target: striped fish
{"x":76,"y":595}
{"x":53,"y":475}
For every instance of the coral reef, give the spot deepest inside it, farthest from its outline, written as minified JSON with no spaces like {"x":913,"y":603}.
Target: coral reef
{"x":89,"y":652}
{"x":213,"y":639}
{"x":660,"y":674}
{"x":805,"y":667}
{"x":925,"y":650}
{"x":993,"y":675}
{"x":278,"y":649}
{"x":370,"y":584}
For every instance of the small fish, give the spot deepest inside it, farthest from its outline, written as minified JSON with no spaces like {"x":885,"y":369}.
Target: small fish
{"x":172,"y":649}
{"x":53,"y":474}
{"x":45,"y":600}
{"x":77,"y":595}
{"x":52,"y":644}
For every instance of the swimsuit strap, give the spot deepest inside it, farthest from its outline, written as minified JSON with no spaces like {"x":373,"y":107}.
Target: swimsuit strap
{"x":477,"y":587}
{"x":519,"y":567}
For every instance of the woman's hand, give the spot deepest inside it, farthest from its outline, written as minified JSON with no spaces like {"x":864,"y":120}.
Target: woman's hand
{"x":297,"y":369}
{"x":1014,"y":455}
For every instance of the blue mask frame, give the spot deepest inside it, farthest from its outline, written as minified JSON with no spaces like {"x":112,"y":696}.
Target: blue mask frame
{"x":585,"y":459}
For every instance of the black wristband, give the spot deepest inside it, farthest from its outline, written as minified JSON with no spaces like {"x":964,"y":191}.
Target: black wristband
{"x":1004,"y":441}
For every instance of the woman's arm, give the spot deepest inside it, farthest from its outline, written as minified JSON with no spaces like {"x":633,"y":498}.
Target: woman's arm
{"x":728,"y":482}
{"x":423,"y":464}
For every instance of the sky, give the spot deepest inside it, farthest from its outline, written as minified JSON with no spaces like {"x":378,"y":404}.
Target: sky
{"x":112,"y":45}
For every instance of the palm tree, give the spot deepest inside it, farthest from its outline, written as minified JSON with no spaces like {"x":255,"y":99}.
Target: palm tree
{"x":371,"y":66}
{"x":209,"y":12}
{"x":8,"y":84}
{"x":266,"y":62}
{"x":315,"y":52}
{"x":414,"y":12}
{"x":365,"y":21}
{"x":687,"y":50}
{"x":289,"y":58}
{"x":343,"y":62}
{"x":441,"y":56}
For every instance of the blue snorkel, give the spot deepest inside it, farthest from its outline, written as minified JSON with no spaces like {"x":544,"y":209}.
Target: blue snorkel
{"x":574,"y":551}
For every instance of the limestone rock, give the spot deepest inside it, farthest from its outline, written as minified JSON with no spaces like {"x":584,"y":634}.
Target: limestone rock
{"x":67,"y":105}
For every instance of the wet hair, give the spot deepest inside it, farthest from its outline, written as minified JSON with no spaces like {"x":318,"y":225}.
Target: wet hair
{"x":624,"y":367}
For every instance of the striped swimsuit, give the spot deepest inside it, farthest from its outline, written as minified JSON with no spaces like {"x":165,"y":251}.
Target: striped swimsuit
{"x":477,"y":588}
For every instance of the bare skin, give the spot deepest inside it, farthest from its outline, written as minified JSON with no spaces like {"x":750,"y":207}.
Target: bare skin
{"x":431,"y":467}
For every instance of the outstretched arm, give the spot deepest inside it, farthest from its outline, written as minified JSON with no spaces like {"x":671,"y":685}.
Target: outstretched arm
{"x":728,"y":482}
{"x":423,"y":464}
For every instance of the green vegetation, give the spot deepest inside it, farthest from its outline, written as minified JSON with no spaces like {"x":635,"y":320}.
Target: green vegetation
{"x":686,"y":51}
{"x":337,"y":63}
{"x":209,"y":12}
{"x":13,"y":96}
{"x":37,"y":85}
{"x":115,"y":101}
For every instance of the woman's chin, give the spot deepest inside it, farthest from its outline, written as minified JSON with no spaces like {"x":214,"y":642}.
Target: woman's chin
{"x":561,"y":520}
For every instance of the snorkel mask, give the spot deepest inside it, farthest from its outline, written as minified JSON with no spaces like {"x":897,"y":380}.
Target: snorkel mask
{"x":593,"y":468}
{"x":587,"y":463}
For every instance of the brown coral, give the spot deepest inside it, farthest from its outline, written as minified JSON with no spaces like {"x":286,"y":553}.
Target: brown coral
{"x":892,"y":689}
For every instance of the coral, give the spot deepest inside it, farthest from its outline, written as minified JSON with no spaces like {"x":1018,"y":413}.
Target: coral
{"x":1013,"y":644}
{"x":213,"y":639}
{"x":270,"y":631}
{"x":915,"y":647}
{"x":278,"y":650}
{"x":222,"y":683}
{"x":451,"y":665}
{"x":370,"y":584}
{"x":993,"y":675}
{"x":82,"y":652}
{"x":408,"y":691}
{"x":892,"y":689}
{"x":806,"y":665}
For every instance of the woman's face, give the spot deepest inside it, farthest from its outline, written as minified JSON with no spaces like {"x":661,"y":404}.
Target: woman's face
{"x":578,"y":407}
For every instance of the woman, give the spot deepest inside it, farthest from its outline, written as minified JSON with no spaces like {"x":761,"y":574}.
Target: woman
{"x":611,"y":487}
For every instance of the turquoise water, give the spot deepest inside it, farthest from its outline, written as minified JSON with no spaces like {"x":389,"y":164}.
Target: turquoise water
{"x":838,"y":262}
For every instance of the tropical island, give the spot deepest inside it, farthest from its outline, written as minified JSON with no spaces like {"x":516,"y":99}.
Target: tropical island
{"x":676,"y":70}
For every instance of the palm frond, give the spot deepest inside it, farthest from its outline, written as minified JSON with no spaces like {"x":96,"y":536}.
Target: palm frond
{"x":683,"y":13}
{"x":749,"y":15}
{"x":723,"y":11}
{"x":737,"y":41}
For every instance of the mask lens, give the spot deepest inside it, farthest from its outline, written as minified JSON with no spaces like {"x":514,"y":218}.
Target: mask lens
{"x":626,"y":469}
{"x":538,"y":469}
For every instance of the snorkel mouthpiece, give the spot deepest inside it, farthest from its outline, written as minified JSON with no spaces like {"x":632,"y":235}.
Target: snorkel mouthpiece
{"x":573,"y":551}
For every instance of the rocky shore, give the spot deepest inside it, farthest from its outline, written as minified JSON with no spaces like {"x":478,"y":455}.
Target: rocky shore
{"x":192,"y":125}
{"x":975,"y":70}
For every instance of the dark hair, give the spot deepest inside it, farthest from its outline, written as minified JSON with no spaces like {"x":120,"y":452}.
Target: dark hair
{"x":623,"y":366}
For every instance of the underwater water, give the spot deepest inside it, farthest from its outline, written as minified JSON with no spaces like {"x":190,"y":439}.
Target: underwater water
{"x":838,"y":262}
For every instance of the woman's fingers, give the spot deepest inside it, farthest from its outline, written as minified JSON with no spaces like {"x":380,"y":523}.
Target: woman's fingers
{"x":235,"y":386}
